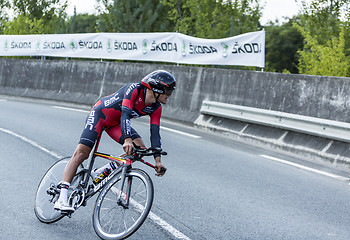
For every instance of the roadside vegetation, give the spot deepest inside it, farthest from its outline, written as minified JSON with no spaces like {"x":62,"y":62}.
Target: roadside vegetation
{"x":316,"y":41}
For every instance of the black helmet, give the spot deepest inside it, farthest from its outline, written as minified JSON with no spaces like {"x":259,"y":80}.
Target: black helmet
{"x":160,"y":81}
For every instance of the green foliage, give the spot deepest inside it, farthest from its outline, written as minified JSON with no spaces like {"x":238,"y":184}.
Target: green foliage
{"x":286,"y":71}
{"x":133,"y":16}
{"x":40,"y":9}
{"x":322,"y":18}
{"x":214,"y":19}
{"x":4,"y":4}
{"x":325,"y":60}
{"x":82,"y":23}
{"x":326,"y":36}
{"x":317,"y":41}
{"x":205,"y":18}
{"x":32,"y":13}
{"x":22,"y":25}
{"x":281,"y":46}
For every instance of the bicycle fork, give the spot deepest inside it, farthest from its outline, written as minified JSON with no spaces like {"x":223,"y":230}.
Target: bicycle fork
{"x":128,"y":180}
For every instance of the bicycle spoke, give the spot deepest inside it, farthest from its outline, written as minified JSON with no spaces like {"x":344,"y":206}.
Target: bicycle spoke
{"x":139,"y":193}
{"x":125,"y":227}
{"x":133,"y":219}
{"x":111,"y":209}
{"x":110,"y":224}
{"x":109,"y":199}
{"x":126,"y":218}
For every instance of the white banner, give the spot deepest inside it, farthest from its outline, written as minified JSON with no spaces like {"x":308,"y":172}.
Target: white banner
{"x":245,"y":50}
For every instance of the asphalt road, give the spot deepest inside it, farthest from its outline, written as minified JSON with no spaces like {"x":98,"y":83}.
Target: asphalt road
{"x":215,"y":188}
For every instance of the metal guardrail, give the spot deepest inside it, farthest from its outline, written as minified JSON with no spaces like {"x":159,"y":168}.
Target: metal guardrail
{"x":304,"y":124}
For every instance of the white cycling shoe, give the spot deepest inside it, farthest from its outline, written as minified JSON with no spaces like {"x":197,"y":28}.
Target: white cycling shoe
{"x":62,"y":206}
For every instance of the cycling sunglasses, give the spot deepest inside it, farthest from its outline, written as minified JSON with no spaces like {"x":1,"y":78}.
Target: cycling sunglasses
{"x":168,"y":91}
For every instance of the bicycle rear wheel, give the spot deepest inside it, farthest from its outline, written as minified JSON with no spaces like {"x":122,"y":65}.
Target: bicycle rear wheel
{"x":112,"y":220}
{"x":44,"y":202}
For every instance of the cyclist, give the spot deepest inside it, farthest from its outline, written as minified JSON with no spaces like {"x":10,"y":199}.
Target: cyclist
{"x":113,"y":113}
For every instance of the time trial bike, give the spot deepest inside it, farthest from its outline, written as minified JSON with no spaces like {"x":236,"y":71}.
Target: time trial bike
{"x":125,"y":195}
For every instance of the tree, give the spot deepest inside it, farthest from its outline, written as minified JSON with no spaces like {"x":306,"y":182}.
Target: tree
{"x":39,"y":9}
{"x":281,"y":46}
{"x":50,"y":12}
{"x":4,"y":5}
{"x":214,"y":19}
{"x":22,"y":25}
{"x":325,"y":60}
{"x":324,"y":18}
{"x":326,"y":48}
{"x":133,"y":16}
{"x":82,"y":23}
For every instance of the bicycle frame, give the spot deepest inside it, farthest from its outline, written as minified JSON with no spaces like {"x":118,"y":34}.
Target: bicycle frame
{"x":125,"y":163}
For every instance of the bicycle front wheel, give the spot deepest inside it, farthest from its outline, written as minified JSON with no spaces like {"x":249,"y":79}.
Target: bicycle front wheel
{"x":44,"y":202}
{"x":113,"y":219}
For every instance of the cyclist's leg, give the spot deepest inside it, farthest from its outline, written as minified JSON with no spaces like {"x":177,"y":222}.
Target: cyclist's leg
{"x":93,"y":128}
{"x":80,"y":154}
{"x":116,"y":134}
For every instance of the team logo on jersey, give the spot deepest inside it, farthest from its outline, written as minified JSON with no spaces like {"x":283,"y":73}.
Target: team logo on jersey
{"x":90,"y":120}
{"x":139,"y":101}
{"x":147,"y":110}
{"x":111,"y":100}
{"x":135,"y":114}
{"x":132,"y":86}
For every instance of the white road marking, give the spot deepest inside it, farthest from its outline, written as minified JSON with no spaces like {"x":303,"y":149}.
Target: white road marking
{"x":71,"y":109}
{"x":157,"y":220}
{"x":180,"y":132}
{"x":166,"y":226}
{"x":34,"y":144}
{"x":306,"y":168}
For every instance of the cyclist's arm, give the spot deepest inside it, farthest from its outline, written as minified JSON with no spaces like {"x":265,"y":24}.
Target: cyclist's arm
{"x":125,"y":125}
{"x":155,"y":126}
{"x":155,"y":139}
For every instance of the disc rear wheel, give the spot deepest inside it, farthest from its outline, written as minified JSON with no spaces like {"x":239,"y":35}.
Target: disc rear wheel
{"x":47,"y":192}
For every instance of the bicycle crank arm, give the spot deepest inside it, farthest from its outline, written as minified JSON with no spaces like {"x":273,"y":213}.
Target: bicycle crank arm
{"x":67,"y":213}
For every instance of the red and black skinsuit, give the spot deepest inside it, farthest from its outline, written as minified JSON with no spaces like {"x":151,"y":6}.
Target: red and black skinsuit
{"x":114,"y":112}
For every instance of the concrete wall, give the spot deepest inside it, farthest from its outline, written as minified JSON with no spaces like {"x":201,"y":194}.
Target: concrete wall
{"x":322,"y":97}
{"x":85,"y":82}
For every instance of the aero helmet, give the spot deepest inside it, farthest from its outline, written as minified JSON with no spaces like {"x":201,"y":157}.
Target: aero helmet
{"x":160,"y":81}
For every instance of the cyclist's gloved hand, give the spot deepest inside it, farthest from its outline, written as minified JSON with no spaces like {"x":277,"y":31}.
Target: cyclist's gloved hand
{"x":160,"y":169}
